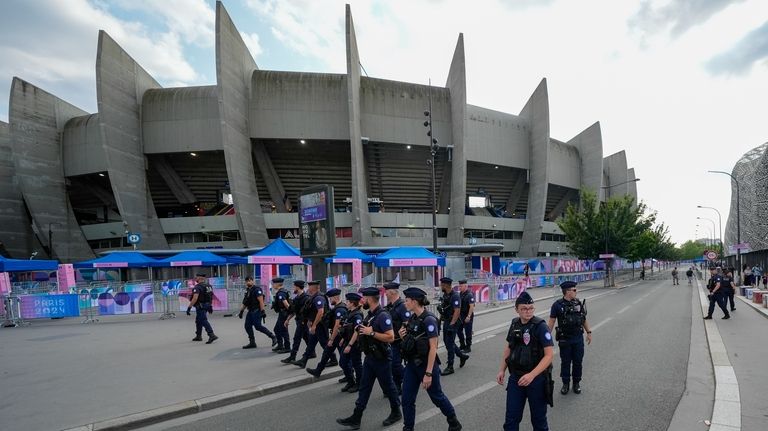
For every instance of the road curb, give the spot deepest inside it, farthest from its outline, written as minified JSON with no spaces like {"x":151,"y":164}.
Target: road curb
{"x":759,"y":309}
{"x":726,"y":412}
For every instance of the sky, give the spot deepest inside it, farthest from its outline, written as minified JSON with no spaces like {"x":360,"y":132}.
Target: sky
{"x":680,"y":85}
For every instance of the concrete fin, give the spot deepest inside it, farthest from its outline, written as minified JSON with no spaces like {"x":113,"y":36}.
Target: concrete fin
{"x":271,"y":178}
{"x":561,"y":205}
{"x":590,"y":145}
{"x":174,"y":182}
{"x":517,"y":192}
{"x":632,"y":187}
{"x":16,"y":234}
{"x":615,"y":171}
{"x":234,"y":71}
{"x":457,"y":86}
{"x":120,"y":86}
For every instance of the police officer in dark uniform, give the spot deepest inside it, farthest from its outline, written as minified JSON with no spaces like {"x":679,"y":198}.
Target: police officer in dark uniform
{"x":466,"y":317}
{"x":571,"y":316}
{"x":254,"y":302}
{"x":716,"y":293}
{"x":374,"y":336}
{"x":729,"y":289}
{"x":419,"y":349}
{"x":297,"y":311}
{"x":450,"y":314}
{"x":351,"y":357}
{"x":282,"y":306}
{"x":202,"y":300}
{"x":400,"y":314}
{"x":333,"y":321}
{"x":315,"y":308}
{"x":528,"y":357}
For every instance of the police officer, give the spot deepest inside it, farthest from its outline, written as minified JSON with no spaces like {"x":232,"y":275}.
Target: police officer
{"x":716,"y":293}
{"x":374,"y":336}
{"x":282,"y":306}
{"x":419,"y":349}
{"x":450,"y":314}
{"x":202,"y":298}
{"x":315,"y":308}
{"x":400,"y":314}
{"x":351,"y":357}
{"x":729,"y":290}
{"x":571,"y":316}
{"x":297,"y":312}
{"x":466,"y":317}
{"x":333,"y":320}
{"x":528,"y":357}
{"x":254,"y":302}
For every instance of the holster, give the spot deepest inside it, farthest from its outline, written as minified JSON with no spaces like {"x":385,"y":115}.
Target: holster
{"x":550,"y":387}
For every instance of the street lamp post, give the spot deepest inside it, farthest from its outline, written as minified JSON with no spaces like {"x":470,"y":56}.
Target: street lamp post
{"x":738,"y":218}
{"x":433,"y":148}
{"x":714,"y":228}
{"x":720,"y":220}
{"x":607,"y":190}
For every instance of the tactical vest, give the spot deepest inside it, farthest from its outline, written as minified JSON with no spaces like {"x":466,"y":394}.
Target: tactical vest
{"x":570,"y":320}
{"x":310,"y":311}
{"x":251,"y":300}
{"x":446,"y":307}
{"x":524,"y":357}
{"x":415,"y":344}
{"x":330,"y":317}
{"x":465,"y":298}
{"x":278,"y":306}
{"x":349,"y":323}
{"x":396,"y":322}
{"x":297,"y":307}
{"x":206,"y":293}
{"x":370,"y":345}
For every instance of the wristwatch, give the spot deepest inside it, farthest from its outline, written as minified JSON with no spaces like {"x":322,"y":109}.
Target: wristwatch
{"x":589,"y":332}
{"x":428,"y":374}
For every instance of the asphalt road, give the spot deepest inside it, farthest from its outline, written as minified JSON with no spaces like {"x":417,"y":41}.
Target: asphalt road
{"x":634,"y":376}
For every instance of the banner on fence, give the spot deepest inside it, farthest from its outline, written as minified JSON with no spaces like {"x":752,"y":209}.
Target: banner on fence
{"x":48,"y":306}
{"x":135,"y":302}
{"x":219,"y":299}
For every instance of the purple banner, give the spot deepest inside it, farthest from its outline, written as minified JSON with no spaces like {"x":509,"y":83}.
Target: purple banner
{"x":313,"y":207}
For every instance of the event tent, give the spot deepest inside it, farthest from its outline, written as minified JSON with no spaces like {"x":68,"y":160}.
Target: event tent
{"x":23,"y":265}
{"x":345,"y":255}
{"x":131,"y":259}
{"x":408,"y":256}
{"x":192,"y":258}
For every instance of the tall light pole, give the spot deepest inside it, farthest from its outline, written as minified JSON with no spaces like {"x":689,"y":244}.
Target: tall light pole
{"x":714,"y":228}
{"x":433,"y":147}
{"x":607,"y":188}
{"x":738,"y":218}
{"x":720,"y":220}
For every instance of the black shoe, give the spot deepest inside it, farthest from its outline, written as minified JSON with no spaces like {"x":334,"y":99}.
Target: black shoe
{"x":447,"y":371}
{"x":301,"y":363}
{"x":453,"y":424}
{"x":733,"y":308}
{"x":576,"y":388}
{"x":463,"y":360}
{"x":211,"y":339}
{"x":354,"y":388}
{"x":274,"y":342}
{"x":462,"y":347}
{"x":288,"y":360}
{"x":347,"y":387}
{"x":707,"y":317}
{"x":394,"y":417}
{"x":726,"y":317}
{"x":251,"y":345}
{"x":312,"y":355}
{"x":468,"y":349}
{"x":332,"y":363}
{"x":314,"y":372}
{"x":566,"y":387}
{"x":277,"y":348}
{"x":353,"y":421}
{"x":343,"y":380}
{"x":284,"y":351}
{"x":198,"y":338}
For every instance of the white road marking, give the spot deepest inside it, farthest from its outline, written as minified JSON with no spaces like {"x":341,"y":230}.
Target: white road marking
{"x":624,"y":309}
{"x":602,"y":323}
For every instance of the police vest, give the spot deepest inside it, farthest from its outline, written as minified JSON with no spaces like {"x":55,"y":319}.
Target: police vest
{"x":415,"y":344}
{"x":446,"y":307}
{"x":396,"y":322}
{"x":206,"y":293}
{"x":526,"y":350}
{"x":571,"y":317}
{"x":466,"y":296}
{"x":251,"y":299}
{"x":330,"y":318}
{"x":297,"y":306}
{"x":278,"y":305}
{"x":310,"y":311}
{"x":370,"y":345}
{"x":349,"y":323}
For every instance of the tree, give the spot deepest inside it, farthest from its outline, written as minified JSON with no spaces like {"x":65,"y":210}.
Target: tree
{"x":690,"y":250}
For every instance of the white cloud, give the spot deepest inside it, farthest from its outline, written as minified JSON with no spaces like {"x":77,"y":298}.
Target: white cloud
{"x":252,"y":42}
{"x":193,"y":20}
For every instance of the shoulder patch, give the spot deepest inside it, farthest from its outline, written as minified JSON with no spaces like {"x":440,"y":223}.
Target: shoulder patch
{"x":548,"y":336}
{"x":407,"y":314}
{"x":388,"y":321}
{"x":431,"y":328}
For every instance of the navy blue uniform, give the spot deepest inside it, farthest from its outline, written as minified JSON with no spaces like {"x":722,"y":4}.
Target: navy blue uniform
{"x":415,"y":368}
{"x":318,"y":302}
{"x":203,"y":306}
{"x":465,"y":329}
{"x":450,"y":303}
{"x":255,"y":313}
{"x":400,"y":315}
{"x":338,"y":314}
{"x":570,"y":337}
{"x":300,"y":333}
{"x":377,"y":368}
{"x":729,"y":291}
{"x":281,"y":332}
{"x":719,"y":297}
{"x":351,"y":363}
{"x":534,"y":336}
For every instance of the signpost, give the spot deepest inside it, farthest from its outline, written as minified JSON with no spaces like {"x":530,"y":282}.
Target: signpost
{"x":711,"y":255}
{"x":133,"y":238}
{"x":317,"y":230}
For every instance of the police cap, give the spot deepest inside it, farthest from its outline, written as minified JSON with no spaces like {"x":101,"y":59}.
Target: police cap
{"x":278,"y":280}
{"x":353,"y":296}
{"x":392,"y":285}
{"x":370,"y":291}
{"x":201,"y":274}
{"x":313,"y":283}
{"x":567,"y":285}
{"x":249,"y":278}
{"x":333,"y":292}
{"x":462,"y":281}
{"x":299,"y":283}
{"x":446,"y":280}
{"x":524,"y":298}
{"x":414,"y":293}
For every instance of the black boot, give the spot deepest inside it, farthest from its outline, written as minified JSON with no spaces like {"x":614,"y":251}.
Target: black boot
{"x":277,"y":348}
{"x":343,"y":380}
{"x":211,"y":338}
{"x":353,"y":421}
{"x":394,"y":417}
{"x":576,"y":388}
{"x":463,"y":360}
{"x":274,"y":342}
{"x":348,"y":386}
{"x":453,"y":424}
{"x":314,"y":372}
{"x":468,"y":349}
{"x":198,"y":338}
{"x":332,"y":362}
{"x":250,"y":345}
{"x":284,"y":350}
{"x":566,"y":387}
{"x":355,"y":387}
{"x":301,"y":363}
{"x":447,"y":371}
{"x":289,"y":359}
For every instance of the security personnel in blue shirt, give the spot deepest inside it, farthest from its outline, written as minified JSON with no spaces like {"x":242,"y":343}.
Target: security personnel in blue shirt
{"x":716,"y":293}
{"x":315,"y":308}
{"x":297,"y":311}
{"x":351,"y":358}
{"x":450,"y":314}
{"x":466,"y":317}
{"x":571,"y":316}
{"x":374,"y":336}
{"x":333,"y":321}
{"x":282,"y":307}
{"x":528,"y":357}
{"x":400,"y":314}
{"x":202,"y":300}
{"x":253,"y":300}
{"x":419,"y":349}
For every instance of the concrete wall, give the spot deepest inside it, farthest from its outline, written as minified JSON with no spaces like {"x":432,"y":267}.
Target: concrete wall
{"x":590,"y":146}
{"x":536,"y":111}
{"x":37,"y":120}
{"x":120,"y":85}
{"x":234,"y":71}
{"x":496,"y":138}
{"x":82,"y":135}
{"x":457,"y":85}
{"x":632,"y":187}
{"x":615,"y":168}
{"x":181,"y":120}
{"x":564,"y":165}
{"x":15,"y":229}
{"x":291,"y":105}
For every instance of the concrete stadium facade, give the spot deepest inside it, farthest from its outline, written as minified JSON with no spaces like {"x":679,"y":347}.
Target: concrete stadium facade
{"x":751,"y":171}
{"x":222,"y":165}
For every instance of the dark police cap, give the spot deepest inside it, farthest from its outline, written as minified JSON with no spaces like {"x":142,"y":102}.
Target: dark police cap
{"x":201,"y":274}
{"x":313,"y":283}
{"x":299,"y":283}
{"x":567,"y":285}
{"x":524,"y":298}
{"x":370,"y":291}
{"x":353,"y":296}
{"x":414,"y":293}
{"x":446,"y":280}
{"x":333,"y":292}
{"x":278,"y":280}
{"x":392,"y":285}
{"x":249,"y":278}
{"x":462,"y":281}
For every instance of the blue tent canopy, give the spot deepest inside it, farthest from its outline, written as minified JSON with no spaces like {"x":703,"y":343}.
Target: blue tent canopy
{"x":349,"y":253}
{"x":130,"y":259}
{"x":192,"y":258}
{"x":23,"y":265}
{"x":408,"y":256}
{"x":276,"y":253}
